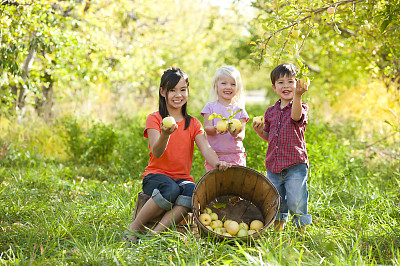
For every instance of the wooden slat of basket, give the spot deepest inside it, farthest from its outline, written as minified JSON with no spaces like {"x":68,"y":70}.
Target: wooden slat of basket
{"x":211,"y":188}
{"x":250,"y":185}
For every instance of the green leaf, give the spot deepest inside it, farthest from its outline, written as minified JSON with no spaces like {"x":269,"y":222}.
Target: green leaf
{"x":219,"y":205}
{"x":385,"y":23}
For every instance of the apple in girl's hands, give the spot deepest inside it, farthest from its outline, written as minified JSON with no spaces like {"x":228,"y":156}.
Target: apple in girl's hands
{"x":168,"y":121}
{"x":235,"y":124}
{"x":222,"y":126}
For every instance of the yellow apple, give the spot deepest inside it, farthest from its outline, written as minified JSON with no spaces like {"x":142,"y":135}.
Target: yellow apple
{"x":236,"y":124}
{"x":232,"y":228}
{"x":205,"y":219}
{"x":330,"y":10}
{"x":244,"y":226}
{"x":256,"y":225}
{"x":227,"y":234}
{"x":222,"y":125}
{"x":258,"y":119}
{"x":296,"y":33}
{"x":216,"y":224}
{"x":168,"y":121}
{"x":209,"y":227}
{"x":242,"y":232}
{"x":304,"y":80}
{"x":214,"y":216}
{"x":227,"y":222}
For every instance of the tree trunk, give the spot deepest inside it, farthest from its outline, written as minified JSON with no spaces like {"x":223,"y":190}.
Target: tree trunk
{"x":44,"y":105}
{"x":20,"y":104}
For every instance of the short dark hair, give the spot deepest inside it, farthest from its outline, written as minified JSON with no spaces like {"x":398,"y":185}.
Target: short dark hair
{"x":169,"y":79}
{"x":286,"y":69}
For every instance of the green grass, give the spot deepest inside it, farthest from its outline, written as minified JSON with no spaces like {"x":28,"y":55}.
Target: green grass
{"x":61,"y":212}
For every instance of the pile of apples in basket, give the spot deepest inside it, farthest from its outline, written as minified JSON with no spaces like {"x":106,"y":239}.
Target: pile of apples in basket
{"x":228,"y":227}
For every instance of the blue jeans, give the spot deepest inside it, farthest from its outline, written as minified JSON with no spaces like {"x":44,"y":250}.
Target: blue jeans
{"x":292,"y":187}
{"x":167,"y":192}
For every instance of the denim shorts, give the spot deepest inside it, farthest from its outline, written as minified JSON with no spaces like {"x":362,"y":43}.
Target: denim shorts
{"x":292,"y":187}
{"x":167,"y":192}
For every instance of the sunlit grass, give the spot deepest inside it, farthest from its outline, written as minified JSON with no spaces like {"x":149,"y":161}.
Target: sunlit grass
{"x":59,"y":213}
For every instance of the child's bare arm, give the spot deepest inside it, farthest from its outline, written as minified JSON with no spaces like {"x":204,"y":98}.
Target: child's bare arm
{"x":296,"y":107}
{"x":158,"y":141}
{"x":209,"y":154}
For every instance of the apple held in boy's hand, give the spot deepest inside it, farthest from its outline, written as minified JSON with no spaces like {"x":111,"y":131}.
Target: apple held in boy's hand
{"x":168,"y":121}
{"x":304,"y":80}
{"x":258,"y":119}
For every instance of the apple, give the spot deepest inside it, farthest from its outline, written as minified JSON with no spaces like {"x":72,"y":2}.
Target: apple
{"x":168,"y":121}
{"x":205,"y":219}
{"x":216,"y":224}
{"x":242,"y":232}
{"x":330,"y":10}
{"x":227,"y":234}
{"x":218,"y":230}
{"x":222,"y":125}
{"x":214,"y":216}
{"x":207,"y":210}
{"x":256,"y":225}
{"x":209,"y":227}
{"x":251,"y":232}
{"x":227,"y":222}
{"x":236,"y":124}
{"x":243,"y":225}
{"x":304,"y":80}
{"x":232,"y":228}
{"x":296,"y":33}
{"x":258,"y":119}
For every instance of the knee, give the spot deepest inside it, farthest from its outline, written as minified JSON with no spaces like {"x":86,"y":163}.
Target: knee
{"x":171,"y":193}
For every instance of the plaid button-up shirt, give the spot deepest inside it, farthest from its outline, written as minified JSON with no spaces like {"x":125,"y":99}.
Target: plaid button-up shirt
{"x":286,"y":142}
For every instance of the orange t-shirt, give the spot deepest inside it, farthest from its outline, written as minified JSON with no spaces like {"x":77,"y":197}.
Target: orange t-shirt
{"x":176,"y":162}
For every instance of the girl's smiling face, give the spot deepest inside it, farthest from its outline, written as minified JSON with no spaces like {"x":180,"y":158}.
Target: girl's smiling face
{"x":177,"y":96}
{"x":226,"y":88}
{"x":285,"y":87}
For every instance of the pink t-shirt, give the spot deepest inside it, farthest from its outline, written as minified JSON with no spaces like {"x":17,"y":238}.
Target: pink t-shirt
{"x":224,"y":143}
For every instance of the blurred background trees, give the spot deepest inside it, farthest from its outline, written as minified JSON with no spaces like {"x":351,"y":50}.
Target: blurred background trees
{"x":103,"y":59}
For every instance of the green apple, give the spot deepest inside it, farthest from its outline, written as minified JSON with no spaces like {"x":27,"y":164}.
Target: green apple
{"x":242,"y":232}
{"x":250,"y":232}
{"x":218,"y":230}
{"x":168,"y":121}
{"x":214,"y":216}
{"x":216,"y":224}
{"x":243,"y":225}
{"x":207,"y":210}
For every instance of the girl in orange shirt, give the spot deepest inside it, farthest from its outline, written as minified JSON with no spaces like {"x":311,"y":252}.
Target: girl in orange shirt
{"x":167,"y":177}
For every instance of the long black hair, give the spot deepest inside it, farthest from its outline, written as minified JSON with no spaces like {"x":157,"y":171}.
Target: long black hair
{"x":169,"y":79}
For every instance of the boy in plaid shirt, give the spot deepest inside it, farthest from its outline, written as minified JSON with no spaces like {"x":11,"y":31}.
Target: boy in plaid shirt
{"x":286,"y":159}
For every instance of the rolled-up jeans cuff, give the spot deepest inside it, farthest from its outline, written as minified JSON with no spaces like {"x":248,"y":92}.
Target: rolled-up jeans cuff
{"x":283,"y":217}
{"x":301,"y":220}
{"x":161,"y":201}
{"x":184,"y":201}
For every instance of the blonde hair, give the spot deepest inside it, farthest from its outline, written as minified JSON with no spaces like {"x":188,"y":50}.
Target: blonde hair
{"x":234,"y":73}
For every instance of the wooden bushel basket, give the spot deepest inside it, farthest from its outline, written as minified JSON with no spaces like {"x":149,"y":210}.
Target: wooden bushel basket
{"x":240,"y":194}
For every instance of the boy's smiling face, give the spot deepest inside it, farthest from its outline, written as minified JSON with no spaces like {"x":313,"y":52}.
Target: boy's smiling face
{"x":285,"y":87}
